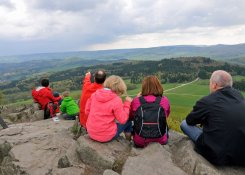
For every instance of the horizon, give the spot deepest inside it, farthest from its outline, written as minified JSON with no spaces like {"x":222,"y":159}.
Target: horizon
{"x":60,"y":52}
{"x":42,"y":26}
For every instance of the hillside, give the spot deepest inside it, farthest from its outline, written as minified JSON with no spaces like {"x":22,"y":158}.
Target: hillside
{"x":175,"y":70}
{"x":240,"y":61}
{"x":220,"y":52}
{"x":17,"y":67}
{"x":16,"y":71}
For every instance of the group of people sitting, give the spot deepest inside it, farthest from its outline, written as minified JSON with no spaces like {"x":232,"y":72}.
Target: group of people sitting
{"x":53,"y":103}
{"x":216,"y":124}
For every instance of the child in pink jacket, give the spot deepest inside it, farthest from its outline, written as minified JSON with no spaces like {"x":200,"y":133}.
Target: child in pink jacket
{"x":107,"y":114}
{"x":151,"y":88}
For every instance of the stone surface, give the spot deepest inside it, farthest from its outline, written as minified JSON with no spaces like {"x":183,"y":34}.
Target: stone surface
{"x":22,"y":113}
{"x":37,"y":147}
{"x":110,"y":172}
{"x":47,"y":147}
{"x":184,"y":156}
{"x":154,"y":160}
{"x":102,"y":155}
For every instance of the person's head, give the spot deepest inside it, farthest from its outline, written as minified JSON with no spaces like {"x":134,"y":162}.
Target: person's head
{"x":100,"y":76}
{"x":116,"y":84}
{"x":220,"y":79}
{"x":151,"y":86}
{"x":66,"y":94}
{"x":45,"y":82}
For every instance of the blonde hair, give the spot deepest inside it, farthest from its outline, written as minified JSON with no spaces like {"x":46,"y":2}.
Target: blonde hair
{"x":66,"y":93}
{"x":116,"y":84}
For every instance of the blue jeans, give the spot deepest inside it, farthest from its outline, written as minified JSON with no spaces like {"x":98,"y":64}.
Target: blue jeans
{"x":127,"y":128}
{"x":69,"y":117}
{"x":192,"y":132}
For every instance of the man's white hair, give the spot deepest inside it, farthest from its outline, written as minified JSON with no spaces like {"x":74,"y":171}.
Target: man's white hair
{"x":222,"y":78}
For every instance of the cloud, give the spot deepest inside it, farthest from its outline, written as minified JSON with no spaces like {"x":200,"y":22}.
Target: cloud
{"x":65,"y":5}
{"x":209,"y":36}
{"x":91,"y":24}
{"x":6,"y":4}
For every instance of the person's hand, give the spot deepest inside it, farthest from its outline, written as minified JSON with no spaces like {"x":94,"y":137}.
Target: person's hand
{"x":128,"y":99}
{"x":87,"y":73}
{"x":139,"y":94}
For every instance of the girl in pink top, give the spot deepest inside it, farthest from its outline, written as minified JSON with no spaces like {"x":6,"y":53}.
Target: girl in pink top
{"x":151,"y":88}
{"x":107,"y":114}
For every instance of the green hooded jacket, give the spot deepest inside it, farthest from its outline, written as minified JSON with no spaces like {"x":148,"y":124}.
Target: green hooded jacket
{"x":69,"y":106}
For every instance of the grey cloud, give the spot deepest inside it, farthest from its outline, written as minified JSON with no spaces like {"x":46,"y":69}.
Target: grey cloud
{"x":66,"y":5}
{"x":6,"y":3}
{"x":76,"y":24}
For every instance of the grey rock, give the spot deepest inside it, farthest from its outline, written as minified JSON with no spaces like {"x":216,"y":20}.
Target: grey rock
{"x":153,"y":159}
{"x":47,"y":147}
{"x":102,"y":155}
{"x":69,"y":171}
{"x":38,"y":115}
{"x":110,"y":172}
{"x":183,"y":154}
{"x":23,"y":113}
{"x":13,"y":117}
{"x":37,"y":148}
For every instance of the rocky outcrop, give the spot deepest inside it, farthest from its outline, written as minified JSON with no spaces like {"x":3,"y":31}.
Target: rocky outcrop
{"x":47,"y":148}
{"x":37,"y":147}
{"x":22,"y":113}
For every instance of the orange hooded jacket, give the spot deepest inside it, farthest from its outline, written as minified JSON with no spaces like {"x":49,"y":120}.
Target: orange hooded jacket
{"x":88,"y":89}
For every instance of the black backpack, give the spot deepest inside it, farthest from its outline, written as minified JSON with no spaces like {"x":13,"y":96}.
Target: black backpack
{"x":149,"y":119}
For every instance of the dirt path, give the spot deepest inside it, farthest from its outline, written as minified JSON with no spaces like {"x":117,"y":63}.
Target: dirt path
{"x":182,"y":85}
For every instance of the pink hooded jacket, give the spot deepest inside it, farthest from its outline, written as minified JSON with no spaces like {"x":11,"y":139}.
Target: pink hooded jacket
{"x":103,"y":109}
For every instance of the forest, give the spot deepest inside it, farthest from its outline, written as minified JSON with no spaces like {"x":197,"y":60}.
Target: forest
{"x":174,"y":70}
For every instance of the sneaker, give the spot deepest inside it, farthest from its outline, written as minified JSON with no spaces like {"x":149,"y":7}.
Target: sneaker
{"x":128,"y":136}
{"x":56,"y":119}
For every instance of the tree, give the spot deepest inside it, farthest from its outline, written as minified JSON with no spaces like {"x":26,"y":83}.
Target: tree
{"x":1,"y":97}
{"x":203,"y":74}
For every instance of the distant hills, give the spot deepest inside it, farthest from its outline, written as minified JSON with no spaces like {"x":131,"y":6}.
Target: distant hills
{"x":17,"y":67}
{"x":218,"y":52}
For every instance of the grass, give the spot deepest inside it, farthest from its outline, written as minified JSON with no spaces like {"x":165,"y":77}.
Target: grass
{"x":238,"y":78}
{"x":181,"y":99}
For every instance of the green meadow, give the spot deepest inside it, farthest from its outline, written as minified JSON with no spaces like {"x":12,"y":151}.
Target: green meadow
{"x":182,"y":98}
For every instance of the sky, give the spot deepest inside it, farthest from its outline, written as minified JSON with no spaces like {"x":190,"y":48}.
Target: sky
{"x":43,"y":26}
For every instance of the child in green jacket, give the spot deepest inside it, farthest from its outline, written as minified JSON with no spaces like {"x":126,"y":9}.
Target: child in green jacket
{"x":68,"y":107}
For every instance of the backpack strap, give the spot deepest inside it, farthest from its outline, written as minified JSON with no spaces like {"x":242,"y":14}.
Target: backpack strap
{"x":158,"y":100}
{"x":142,"y":100}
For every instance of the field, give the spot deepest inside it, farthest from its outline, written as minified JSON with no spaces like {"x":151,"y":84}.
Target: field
{"x":181,"y":99}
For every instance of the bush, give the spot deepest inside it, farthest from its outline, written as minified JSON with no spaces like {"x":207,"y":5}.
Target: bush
{"x":131,"y":86}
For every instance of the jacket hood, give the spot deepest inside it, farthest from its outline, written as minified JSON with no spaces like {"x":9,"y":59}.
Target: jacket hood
{"x":39,"y":88}
{"x":104,"y":95}
{"x":67,"y":99}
